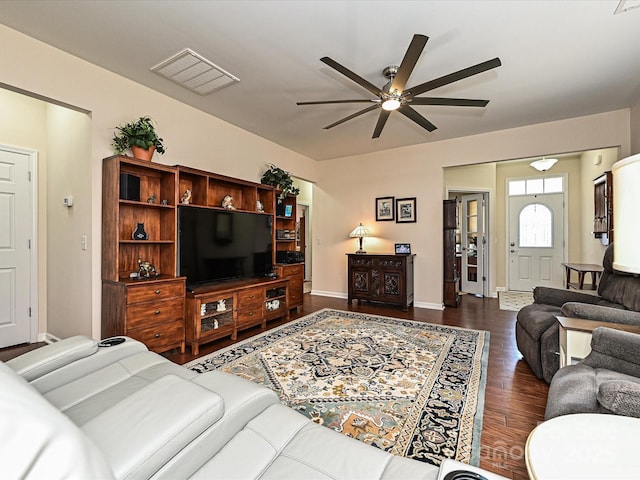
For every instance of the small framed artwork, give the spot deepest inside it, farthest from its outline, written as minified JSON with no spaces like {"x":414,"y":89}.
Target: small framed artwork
{"x":403,"y":248}
{"x":406,"y":210}
{"x":384,"y":209}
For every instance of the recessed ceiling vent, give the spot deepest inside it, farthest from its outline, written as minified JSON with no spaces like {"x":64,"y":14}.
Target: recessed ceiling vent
{"x":194,"y":72}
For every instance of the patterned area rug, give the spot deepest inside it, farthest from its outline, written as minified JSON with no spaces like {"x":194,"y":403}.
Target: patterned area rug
{"x":514,"y":301}
{"x":413,"y":389}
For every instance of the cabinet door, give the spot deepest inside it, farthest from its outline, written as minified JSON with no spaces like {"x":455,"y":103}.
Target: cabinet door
{"x":388,"y":281}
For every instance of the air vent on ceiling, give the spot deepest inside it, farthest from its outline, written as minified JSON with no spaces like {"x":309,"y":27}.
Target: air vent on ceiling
{"x":194,"y":72}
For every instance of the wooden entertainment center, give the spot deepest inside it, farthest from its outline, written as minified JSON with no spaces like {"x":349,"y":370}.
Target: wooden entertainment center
{"x":158,"y":310}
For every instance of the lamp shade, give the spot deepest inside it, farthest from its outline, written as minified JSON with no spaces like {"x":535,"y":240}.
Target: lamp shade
{"x":360,"y":231}
{"x":626,"y":228}
{"x":544,"y":164}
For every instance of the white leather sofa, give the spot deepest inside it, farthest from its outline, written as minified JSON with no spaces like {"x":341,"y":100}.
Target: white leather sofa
{"x":82,"y":409}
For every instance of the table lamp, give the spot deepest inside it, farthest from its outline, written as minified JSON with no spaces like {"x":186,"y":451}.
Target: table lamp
{"x":360,"y":232}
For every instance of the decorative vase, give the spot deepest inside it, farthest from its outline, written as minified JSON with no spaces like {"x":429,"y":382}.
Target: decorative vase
{"x":139,"y":233}
{"x":142,"y":154}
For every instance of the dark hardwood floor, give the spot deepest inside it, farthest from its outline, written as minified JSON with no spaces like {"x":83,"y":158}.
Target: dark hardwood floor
{"x":515,"y":399}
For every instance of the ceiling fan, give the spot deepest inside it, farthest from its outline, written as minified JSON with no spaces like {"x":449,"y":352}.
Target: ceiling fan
{"x":393,"y":96}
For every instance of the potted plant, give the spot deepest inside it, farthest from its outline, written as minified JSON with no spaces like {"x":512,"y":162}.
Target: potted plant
{"x":280,"y":179}
{"x":140,"y":137}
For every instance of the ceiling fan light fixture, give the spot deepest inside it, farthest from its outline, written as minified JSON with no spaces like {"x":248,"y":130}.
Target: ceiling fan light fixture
{"x":391,"y":104}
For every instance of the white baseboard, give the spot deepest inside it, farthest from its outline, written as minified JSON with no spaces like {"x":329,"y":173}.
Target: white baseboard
{"x":321,"y":293}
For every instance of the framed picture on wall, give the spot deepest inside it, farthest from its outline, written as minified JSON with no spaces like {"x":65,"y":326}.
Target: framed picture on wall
{"x":406,"y":210}
{"x":384,"y":209}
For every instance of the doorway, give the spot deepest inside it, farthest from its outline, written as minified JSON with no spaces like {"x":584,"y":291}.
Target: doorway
{"x":18,"y":247}
{"x":536,"y":232}
{"x":473,"y":242}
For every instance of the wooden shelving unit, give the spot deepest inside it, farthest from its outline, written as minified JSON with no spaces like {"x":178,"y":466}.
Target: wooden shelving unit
{"x":153,"y":310}
{"x":150,"y":309}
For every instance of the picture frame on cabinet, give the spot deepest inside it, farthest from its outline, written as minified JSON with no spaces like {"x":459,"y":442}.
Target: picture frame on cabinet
{"x":406,"y":210}
{"x":384,"y":209}
{"x":403,"y":248}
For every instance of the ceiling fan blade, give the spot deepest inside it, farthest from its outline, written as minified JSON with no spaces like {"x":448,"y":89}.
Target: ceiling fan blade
{"x":409,"y":112}
{"x":382,"y":119}
{"x":409,"y":62}
{"x":455,"y":102}
{"x":322,"y":102}
{"x":453,"y":77}
{"x":353,"y":115}
{"x":353,"y":76}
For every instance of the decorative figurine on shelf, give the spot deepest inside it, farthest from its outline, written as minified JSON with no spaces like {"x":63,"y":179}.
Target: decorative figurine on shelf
{"x":139,"y":233}
{"x":186,"y":197}
{"x":227,"y":202}
{"x":152,"y":199}
{"x":259,"y":206}
{"x":164,"y":202}
{"x":221,"y":306}
{"x":146,"y":270}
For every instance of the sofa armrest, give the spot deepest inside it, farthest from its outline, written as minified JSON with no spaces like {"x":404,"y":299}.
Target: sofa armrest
{"x":615,"y":350}
{"x":141,"y":433}
{"x":601,"y":313}
{"x":621,"y":397}
{"x":559,"y":296}
{"x":39,"y":362}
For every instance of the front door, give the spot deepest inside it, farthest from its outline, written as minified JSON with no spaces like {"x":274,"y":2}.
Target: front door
{"x":536,"y":241}
{"x":473,"y":243}
{"x":16,"y":238}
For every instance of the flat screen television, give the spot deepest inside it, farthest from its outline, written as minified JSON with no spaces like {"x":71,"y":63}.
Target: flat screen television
{"x":220,"y":245}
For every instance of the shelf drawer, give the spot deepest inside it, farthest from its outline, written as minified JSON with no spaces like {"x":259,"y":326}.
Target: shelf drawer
{"x":250,"y":316}
{"x":249,"y":299}
{"x":153,"y":313}
{"x":154,"y":291}
{"x":291,"y":270}
{"x":159,"y":338}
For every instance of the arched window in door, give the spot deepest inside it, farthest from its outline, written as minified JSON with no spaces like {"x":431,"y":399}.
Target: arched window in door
{"x":535,"y":226}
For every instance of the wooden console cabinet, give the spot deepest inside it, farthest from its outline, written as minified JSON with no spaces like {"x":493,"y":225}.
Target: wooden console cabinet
{"x":381,"y":278}
{"x":222,"y":310}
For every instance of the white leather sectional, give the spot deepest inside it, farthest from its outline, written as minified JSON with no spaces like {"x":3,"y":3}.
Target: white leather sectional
{"x":75,"y":409}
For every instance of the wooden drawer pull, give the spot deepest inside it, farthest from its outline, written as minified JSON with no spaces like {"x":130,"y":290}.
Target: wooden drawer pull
{"x":251,"y":314}
{"x":157,"y":312}
{"x":157,"y":292}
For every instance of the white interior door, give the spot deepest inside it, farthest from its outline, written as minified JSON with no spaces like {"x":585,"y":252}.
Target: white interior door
{"x":472,"y":238}
{"x":16,"y":234}
{"x":536,"y":241}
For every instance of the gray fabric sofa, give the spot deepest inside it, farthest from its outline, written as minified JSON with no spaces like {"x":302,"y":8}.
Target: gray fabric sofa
{"x":606,"y":381}
{"x":537,"y":337}
{"x":78,"y":409}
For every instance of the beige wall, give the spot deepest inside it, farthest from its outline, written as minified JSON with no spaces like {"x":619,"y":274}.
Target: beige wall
{"x":70,"y":169}
{"x":348,"y":198}
{"x":344,"y":191}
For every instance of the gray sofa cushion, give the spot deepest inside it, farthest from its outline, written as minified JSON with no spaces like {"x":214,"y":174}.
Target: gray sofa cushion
{"x":622,"y":397}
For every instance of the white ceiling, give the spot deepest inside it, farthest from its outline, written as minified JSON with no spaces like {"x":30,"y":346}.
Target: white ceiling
{"x":560,"y":59}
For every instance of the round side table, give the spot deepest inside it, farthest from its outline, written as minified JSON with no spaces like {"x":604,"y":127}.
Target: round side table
{"x":584,"y":445}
